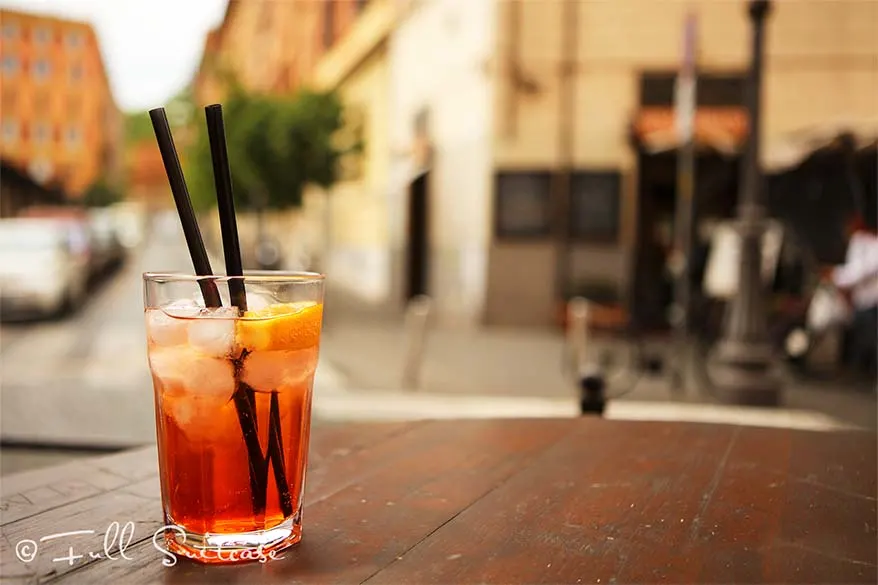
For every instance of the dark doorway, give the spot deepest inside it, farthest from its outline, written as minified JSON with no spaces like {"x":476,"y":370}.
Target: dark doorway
{"x":417,"y":267}
{"x":716,"y":191}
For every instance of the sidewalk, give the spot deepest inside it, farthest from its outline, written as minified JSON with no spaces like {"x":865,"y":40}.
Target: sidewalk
{"x":364,"y":349}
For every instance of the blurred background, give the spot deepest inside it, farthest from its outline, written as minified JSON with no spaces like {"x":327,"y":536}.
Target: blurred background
{"x":493,"y":189}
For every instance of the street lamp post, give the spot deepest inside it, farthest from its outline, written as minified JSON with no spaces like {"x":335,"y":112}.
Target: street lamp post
{"x":743,"y":372}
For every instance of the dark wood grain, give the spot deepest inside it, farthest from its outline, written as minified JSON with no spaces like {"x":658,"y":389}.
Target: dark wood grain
{"x":92,"y":494}
{"x":388,"y":498}
{"x":509,"y":501}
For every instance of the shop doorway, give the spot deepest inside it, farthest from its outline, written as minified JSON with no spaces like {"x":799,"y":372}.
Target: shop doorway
{"x":715,"y":198}
{"x":417,"y":250}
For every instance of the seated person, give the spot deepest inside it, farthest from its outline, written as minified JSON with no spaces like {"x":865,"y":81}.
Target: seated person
{"x":858,"y":279}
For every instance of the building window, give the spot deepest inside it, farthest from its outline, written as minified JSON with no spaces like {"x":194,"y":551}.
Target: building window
{"x":10,"y":65}
{"x":41,"y":69}
{"x":714,"y":90}
{"x":73,"y":138}
{"x":10,"y":131}
{"x":522,"y":208}
{"x":76,"y":72}
{"x":595,"y":206}
{"x":73,"y":105}
{"x":10,"y":30}
{"x":328,"y":23}
{"x":74,"y":39}
{"x":42,"y":133}
{"x":42,"y":35}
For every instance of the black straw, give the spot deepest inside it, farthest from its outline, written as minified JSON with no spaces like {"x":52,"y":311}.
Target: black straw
{"x":184,"y":206}
{"x":245,"y":396}
{"x":225,"y":204}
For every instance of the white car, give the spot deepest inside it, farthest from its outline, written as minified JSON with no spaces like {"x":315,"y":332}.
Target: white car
{"x":43,"y":265}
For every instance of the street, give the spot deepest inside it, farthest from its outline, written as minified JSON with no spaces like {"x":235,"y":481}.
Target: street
{"x":84,"y":379}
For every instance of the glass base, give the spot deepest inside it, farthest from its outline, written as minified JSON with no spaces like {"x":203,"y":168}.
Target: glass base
{"x":241,"y":547}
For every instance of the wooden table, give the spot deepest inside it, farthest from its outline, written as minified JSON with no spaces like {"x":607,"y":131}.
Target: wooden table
{"x":501,"y":501}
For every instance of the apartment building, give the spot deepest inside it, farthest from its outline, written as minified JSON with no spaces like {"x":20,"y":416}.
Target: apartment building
{"x":59,"y":121}
{"x":270,"y":46}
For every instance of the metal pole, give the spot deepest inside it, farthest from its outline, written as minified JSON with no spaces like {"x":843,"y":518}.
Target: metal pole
{"x":744,"y":372}
{"x":686,"y":112}
{"x":417,"y":321}
{"x":577,"y":335}
{"x":566,"y":127}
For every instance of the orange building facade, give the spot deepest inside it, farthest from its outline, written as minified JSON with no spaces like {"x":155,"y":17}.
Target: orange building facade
{"x":59,"y":121}
{"x":270,"y":46}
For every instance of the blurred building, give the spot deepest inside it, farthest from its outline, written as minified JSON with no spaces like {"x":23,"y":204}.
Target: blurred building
{"x":59,"y":121}
{"x":275,"y":48}
{"x":270,"y":46}
{"x":352,"y":218}
{"x":493,"y":105}
{"x":147,"y":181}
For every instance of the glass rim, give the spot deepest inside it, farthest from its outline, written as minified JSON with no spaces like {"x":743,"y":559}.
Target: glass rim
{"x":252,"y":276}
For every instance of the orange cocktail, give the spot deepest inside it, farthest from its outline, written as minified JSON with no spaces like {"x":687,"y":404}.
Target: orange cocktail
{"x":233,"y":413}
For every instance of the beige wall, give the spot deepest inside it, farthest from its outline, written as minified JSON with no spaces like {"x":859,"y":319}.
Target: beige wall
{"x":359,"y":256}
{"x":438,"y":55}
{"x":353,"y":217}
{"x":822,"y":66}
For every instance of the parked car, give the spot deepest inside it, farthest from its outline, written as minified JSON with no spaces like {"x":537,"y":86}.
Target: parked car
{"x":107,"y":249}
{"x":129,"y":218}
{"x":43,"y":265}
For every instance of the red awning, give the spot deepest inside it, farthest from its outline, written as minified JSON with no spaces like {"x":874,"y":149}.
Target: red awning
{"x":724,"y":129}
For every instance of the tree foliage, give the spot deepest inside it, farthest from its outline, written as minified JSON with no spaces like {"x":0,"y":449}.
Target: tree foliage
{"x":100,"y":194}
{"x":137,"y":127}
{"x":180,"y":110}
{"x":276,"y":147}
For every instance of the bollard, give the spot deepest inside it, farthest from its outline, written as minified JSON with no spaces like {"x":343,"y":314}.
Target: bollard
{"x":417,"y":320}
{"x":577,"y":334}
{"x":592,"y":392}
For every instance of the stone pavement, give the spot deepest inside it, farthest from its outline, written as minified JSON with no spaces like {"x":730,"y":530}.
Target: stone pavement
{"x":84,"y":381}
{"x":481,"y":371}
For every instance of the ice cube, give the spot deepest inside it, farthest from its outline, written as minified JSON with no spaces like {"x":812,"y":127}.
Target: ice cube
{"x":213,"y":333}
{"x":183,"y":308}
{"x":186,"y":370}
{"x":274,"y":370}
{"x":259,"y":300}
{"x":203,"y":418}
{"x":162,"y":329}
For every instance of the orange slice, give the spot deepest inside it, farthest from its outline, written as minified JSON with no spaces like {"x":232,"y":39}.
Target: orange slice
{"x":282,"y":326}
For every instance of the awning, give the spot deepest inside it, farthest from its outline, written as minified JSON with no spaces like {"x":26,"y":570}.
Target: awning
{"x":721,"y":128}
{"x":790,"y":149}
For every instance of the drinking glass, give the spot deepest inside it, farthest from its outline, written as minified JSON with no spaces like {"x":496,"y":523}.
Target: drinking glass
{"x":233,"y":409}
